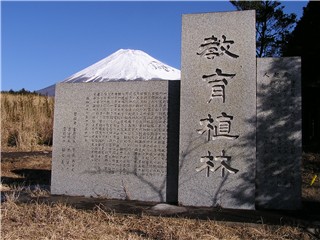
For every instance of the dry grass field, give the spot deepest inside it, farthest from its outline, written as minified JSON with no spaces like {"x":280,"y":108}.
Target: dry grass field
{"x":60,"y":221}
{"x":25,"y":181}
{"x":26,"y":121}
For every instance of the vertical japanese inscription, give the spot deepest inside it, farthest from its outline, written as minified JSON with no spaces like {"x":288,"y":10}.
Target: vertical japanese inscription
{"x":68,"y":139}
{"x":279,"y":108}
{"x":218,"y":112}
{"x":116,"y":146}
{"x":210,"y":49}
{"x":111,"y":140}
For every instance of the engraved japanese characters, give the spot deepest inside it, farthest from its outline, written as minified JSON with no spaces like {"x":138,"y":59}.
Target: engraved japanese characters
{"x":218,"y":110}
{"x":124,"y":140}
{"x":111,"y":140}
{"x":279,"y":133}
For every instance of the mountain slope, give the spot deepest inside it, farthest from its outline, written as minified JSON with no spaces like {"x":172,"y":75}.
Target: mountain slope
{"x":123,"y":65}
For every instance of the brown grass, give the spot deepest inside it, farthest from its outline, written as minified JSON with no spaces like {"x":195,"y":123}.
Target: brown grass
{"x":26,"y":121}
{"x":59,"y":221}
{"x":27,"y":125}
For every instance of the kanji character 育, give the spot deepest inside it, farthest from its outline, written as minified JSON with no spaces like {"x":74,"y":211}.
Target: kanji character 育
{"x":218,"y":80}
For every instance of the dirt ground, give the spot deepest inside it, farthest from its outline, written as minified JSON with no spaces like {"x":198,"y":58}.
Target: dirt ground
{"x":34,"y":168}
{"x":311,"y":168}
{"x":25,"y":169}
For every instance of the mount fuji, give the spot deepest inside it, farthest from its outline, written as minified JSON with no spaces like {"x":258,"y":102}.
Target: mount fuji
{"x":123,"y":65}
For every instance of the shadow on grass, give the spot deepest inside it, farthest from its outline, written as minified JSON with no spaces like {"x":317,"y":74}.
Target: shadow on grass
{"x":28,"y":177}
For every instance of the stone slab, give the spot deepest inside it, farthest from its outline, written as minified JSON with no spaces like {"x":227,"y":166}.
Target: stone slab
{"x":279,"y":133}
{"x":218,"y":110}
{"x":111,"y":139}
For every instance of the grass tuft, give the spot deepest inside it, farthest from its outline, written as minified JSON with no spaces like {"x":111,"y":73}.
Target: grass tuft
{"x":39,"y":220}
{"x":27,"y":121}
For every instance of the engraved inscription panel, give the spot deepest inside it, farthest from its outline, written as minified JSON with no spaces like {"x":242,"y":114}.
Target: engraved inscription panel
{"x":113,"y":117}
{"x":279,"y":133}
{"x":110,"y":139}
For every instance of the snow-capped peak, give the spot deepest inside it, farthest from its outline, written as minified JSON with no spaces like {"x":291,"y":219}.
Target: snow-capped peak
{"x":126,"y":64}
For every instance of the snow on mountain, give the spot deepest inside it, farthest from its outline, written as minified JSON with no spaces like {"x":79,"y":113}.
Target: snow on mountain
{"x":126,"y":64}
{"x":123,"y":65}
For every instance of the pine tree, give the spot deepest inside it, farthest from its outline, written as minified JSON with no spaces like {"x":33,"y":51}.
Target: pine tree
{"x":272,"y":25}
{"x":304,"y":42}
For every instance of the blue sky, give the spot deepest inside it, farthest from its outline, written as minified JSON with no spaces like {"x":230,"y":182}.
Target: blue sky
{"x":43,"y":43}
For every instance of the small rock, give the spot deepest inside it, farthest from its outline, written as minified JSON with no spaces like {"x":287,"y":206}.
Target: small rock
{"x":168,"y":209}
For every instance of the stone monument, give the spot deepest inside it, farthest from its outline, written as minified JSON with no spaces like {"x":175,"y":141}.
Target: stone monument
{"x":218,"y":110}
{"x":240,"y":127}
{"x":117,"y":140}
{"x":279,"y":133}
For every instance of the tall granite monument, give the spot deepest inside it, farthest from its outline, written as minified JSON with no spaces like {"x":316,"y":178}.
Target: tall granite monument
{"x":218,"y":110}
{"x":117,"y":140}
{"x":279,"y":133}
